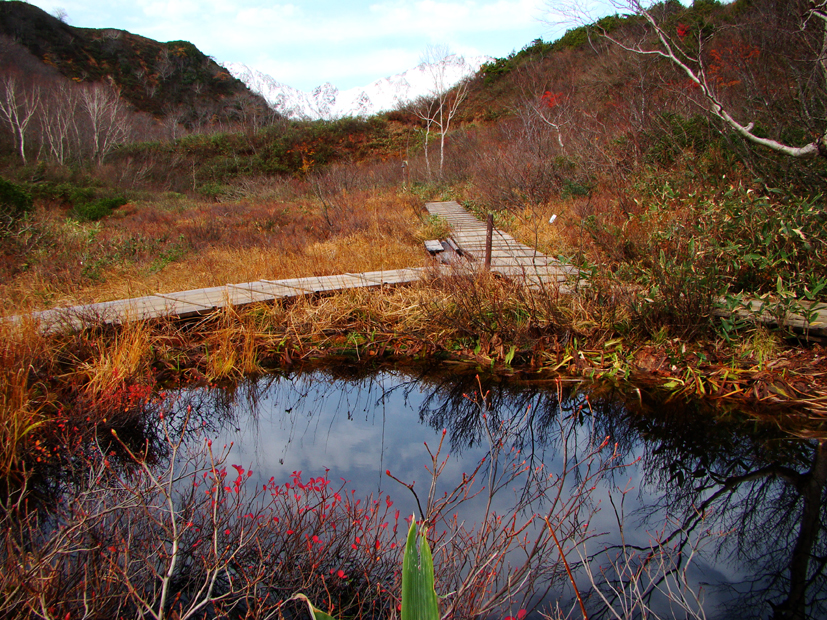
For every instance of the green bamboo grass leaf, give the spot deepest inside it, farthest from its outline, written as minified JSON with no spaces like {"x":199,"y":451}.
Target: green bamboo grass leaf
{"x":509,"y":357}
{"x":419,"y":600}
{"x":316,"y":614}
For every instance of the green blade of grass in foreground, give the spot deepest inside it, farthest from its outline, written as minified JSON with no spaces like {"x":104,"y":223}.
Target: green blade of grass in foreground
{"x":419,"y":600}
{"x":316,"y":614}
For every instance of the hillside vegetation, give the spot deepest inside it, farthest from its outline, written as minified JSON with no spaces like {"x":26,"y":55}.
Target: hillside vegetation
{"x":156,"y":78}
{"x":610,"y":159}
{"x":619,"y":146}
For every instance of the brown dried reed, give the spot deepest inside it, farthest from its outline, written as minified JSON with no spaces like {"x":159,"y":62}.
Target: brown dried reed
{"x":175,"y":244}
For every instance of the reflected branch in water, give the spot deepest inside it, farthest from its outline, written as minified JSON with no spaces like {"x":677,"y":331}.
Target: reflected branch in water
{"x":765,"y":490}
{"x":728,"y":502}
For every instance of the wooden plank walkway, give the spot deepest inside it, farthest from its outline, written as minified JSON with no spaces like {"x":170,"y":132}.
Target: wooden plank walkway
{"x":509,"y":257}
{"x":196,"y":302}
{"x":760,"y":311}
{"x":512,"y":258}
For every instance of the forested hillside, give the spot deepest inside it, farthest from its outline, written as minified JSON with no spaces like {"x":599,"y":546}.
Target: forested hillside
{"x":76,"y":93}
{"x":588,"y":98}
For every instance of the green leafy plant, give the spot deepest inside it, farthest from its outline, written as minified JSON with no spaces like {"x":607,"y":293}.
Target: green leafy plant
{"x":434,"y":227}
{"x":14,"y":201}
{"x":98,"y":209}
{"x":419,"y":600}
{"x":315,"y":613}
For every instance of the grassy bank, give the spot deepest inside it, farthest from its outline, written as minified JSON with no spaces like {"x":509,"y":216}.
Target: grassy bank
{"x":97,"y":378}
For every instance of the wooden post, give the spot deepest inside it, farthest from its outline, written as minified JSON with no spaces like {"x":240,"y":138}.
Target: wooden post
{"x":489,"y":233}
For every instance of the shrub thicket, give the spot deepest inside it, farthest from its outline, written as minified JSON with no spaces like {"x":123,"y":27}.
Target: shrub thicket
{"x":15,"y":202}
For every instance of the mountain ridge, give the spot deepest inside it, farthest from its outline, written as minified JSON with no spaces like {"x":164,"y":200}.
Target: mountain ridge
{"x":327,"y":102}
{"x":154,"y":77}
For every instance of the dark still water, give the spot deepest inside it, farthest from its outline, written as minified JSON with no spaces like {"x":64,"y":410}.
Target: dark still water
{"x":661,"y":509}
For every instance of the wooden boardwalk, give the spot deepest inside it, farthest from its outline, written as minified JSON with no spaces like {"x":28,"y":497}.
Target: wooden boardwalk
{"x":508,"y":257}
{"x":196,"y":302}
{"x":759,"y":311}
{"x":512,"y":258}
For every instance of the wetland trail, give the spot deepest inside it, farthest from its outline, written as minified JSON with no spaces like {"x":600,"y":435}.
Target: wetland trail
{"x":251,"y":476}
{"x":507,"y":257}
{"x":637,"y":385}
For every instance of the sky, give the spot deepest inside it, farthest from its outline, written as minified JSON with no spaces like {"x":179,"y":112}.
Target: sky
{"x":305,"y":43}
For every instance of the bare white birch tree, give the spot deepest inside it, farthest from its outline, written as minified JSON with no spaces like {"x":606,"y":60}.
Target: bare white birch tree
{"x":18,"y":106}
{"x":109,"y":121}
{"x":58,"y":121}
{"x":424,"y":108}
{"x":690,"y":61}
{"x":441,"y":104}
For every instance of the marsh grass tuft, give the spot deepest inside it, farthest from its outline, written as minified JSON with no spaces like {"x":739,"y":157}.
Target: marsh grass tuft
{"x":232,"y":345}
{"x":20,"y":416}
{"x":119,"y":359}
{"x":433,"y":227}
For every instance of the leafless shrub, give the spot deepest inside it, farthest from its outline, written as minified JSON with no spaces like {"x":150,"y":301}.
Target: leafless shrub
{"x":176,"y":530}
{"x":514,"y":559}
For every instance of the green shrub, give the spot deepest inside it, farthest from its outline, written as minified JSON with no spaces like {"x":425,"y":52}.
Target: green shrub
{"x":14,"y":202}
{"x":97,"y":209}
{"x":80,"y":195}
{"x":672,"y":134}
{"x":768,"y":243}
{"x":576,"y":187}
{"x":213,"y":190}
{"x":685,"y":254}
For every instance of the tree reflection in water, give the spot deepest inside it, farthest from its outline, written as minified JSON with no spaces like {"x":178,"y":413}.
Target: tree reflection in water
{"x":761,"y":488}
{"x":744,"y":494}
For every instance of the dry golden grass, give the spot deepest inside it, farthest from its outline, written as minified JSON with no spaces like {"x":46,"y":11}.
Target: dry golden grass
{"x":232,"y":346}
{"x":118,"y":360}
{"x":182,"y":245}
{"x":99,"y":376}
{"x":22,"y":398}
{"x":531,"y":226}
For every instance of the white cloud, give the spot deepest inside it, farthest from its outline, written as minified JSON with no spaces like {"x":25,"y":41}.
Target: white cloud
{"x":458,"y":17}
{"x":307,"y":43}
{"x":264,"y":17}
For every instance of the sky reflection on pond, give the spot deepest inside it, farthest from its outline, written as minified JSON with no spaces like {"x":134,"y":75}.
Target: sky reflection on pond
{"x":762,"y":491}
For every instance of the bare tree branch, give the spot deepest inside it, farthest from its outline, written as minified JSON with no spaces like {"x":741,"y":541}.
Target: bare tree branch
{"x":18,"y":106}
{"x":441,"y":105}
{"x":692,"y":65}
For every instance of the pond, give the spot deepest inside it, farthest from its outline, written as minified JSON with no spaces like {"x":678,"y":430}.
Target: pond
{"x":736,"y":504}
{"x":302,"y":481}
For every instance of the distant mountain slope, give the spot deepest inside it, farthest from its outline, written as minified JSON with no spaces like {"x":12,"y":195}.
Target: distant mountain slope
{"x":328,"y":102}
{"x":154,"y":77}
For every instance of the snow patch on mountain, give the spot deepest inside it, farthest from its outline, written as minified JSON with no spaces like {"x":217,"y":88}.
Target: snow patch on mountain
{"x":328,"y":102}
